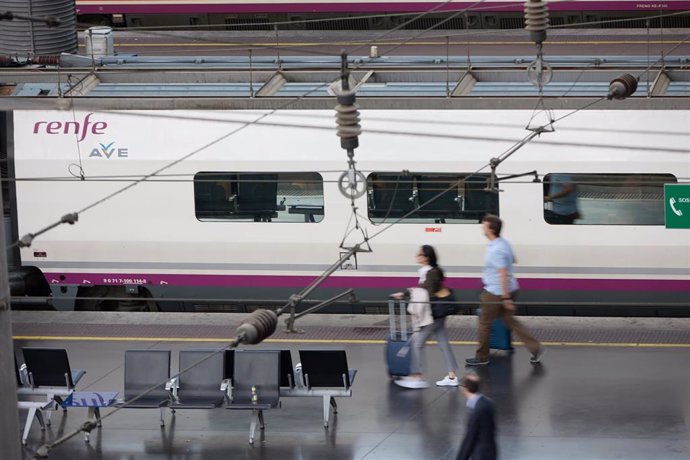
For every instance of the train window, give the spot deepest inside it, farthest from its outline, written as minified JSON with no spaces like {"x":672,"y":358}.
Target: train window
{"x":258,"y":196}
{"x":429,"y":197}
{"x":605,"y":199}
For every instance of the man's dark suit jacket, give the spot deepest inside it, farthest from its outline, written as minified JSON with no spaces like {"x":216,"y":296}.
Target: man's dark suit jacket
{"x":479,"y":442}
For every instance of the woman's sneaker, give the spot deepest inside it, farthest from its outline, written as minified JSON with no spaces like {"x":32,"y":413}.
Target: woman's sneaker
{"x":412,"y":383}
{"x":537,"y":355}
{"x":448,"y":382}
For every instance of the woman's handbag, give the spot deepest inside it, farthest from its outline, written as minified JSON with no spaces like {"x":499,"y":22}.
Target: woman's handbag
{"x":442,"y":303}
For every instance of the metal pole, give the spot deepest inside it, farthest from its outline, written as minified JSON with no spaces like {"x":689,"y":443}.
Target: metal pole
{"x":9,"y":413}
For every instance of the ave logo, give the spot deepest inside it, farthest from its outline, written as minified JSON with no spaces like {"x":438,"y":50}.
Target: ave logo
{"x":109,"y":151}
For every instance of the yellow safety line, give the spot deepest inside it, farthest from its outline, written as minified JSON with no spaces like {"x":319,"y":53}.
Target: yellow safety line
{"x":347,"y":341}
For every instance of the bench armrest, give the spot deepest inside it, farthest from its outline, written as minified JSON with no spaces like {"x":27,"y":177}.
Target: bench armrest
{"x":172,"y":386}
{"x":226,"y":388}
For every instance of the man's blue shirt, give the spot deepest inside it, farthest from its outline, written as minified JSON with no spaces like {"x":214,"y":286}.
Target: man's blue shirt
{"x":499,"y":255}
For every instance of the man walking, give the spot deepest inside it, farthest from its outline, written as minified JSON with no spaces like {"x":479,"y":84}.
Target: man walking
{"x":479,"y":442}
{"x":497,"y":297}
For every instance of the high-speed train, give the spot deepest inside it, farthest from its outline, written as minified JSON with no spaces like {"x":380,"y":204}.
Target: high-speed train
{"x":493,"y":14}
{"x":246,"y":207}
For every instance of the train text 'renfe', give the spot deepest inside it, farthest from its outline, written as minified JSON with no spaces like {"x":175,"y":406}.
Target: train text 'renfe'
{"x":81,"y":129}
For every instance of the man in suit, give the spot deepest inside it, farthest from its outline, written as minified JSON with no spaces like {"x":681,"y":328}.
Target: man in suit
{"x":479,"y":442}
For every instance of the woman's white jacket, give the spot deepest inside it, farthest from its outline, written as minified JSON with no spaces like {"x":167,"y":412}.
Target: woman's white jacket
{"x":420,"y":308}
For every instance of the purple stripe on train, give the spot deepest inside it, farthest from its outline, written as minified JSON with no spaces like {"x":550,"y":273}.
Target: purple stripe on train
{"x":368,"y":7}
{"x":362,"y":282}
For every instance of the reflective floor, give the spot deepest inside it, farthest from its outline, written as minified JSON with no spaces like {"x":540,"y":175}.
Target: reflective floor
{"x":583,"y":402}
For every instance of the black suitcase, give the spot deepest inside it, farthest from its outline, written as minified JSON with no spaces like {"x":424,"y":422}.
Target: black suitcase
{"x":398,"y":352}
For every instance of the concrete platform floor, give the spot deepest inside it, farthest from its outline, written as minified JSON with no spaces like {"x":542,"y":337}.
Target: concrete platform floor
{"x":586,"y":401}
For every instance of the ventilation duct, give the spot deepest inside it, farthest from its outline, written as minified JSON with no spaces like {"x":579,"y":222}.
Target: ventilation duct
{"x":25,"y":38}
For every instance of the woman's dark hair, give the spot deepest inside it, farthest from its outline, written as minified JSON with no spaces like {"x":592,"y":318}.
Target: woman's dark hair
{"x":430,"y":254}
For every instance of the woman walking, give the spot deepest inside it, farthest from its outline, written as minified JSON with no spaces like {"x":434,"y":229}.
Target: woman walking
{"x":427,"y":321}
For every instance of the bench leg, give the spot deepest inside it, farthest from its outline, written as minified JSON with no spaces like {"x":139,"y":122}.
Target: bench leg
{"x":334,"y":405}
{"x":27,"y":426}
{"x":48,"y":414}
{"x":162,"y":416}
{"x":326,"y":410}
{"x":39,"y":417}
{"x":261,"y":420}
{"x":96,"y":413}
{"x":252,"y":425}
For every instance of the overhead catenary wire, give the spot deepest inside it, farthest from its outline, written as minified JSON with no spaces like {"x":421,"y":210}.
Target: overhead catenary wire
{"x":234,"y":343}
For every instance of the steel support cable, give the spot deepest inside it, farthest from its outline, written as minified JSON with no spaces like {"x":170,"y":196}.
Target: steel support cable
{"x":80,"y":166}
{"x":191,"y":179}
{"x":381,"y":119}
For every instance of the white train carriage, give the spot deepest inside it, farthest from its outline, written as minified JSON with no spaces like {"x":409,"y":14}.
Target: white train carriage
{"x":253,"y":212}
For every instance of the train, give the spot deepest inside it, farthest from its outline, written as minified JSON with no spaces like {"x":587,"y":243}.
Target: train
{"x":383,"y":14}
{"x":247,"y":207}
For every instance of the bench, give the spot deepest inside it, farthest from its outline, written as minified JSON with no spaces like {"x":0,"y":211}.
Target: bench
{"x":147,"y":371}
{"x":49,"y":376}
{"x":196,"y":387}
{"x":326,"y":375}
{"x":254,"y":385}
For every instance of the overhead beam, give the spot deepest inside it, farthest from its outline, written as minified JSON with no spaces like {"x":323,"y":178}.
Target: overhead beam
{"x":465,"y":85}
{"x":272,"y":86}
{"x":83,"y":86}
{"x":660,"y":84}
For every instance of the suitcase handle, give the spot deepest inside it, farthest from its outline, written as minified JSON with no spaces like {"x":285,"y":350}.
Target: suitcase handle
{"x":392,"y":320}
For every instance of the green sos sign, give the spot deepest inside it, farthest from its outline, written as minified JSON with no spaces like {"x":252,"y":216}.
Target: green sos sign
{"x":677,"y":205}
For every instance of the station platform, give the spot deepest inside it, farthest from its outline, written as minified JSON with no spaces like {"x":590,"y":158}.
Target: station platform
{"x":607,"y":389}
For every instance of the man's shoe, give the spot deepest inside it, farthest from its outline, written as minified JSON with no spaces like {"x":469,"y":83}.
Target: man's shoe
{"x":537,"y":355}
{"x":476,"y":361}
{"x":448,"y":382}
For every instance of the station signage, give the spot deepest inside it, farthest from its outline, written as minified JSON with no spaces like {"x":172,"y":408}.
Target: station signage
{"x":677,"y":205}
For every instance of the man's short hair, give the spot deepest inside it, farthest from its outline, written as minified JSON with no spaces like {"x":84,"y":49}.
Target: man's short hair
{"x":470,"y":382}
{"x":495,"y":223}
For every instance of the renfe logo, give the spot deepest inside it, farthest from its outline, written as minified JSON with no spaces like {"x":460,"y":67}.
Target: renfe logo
{"x":71,"y":127}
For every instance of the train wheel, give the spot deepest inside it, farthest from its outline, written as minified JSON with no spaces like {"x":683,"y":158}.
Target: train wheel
{"x":114,"y":298}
